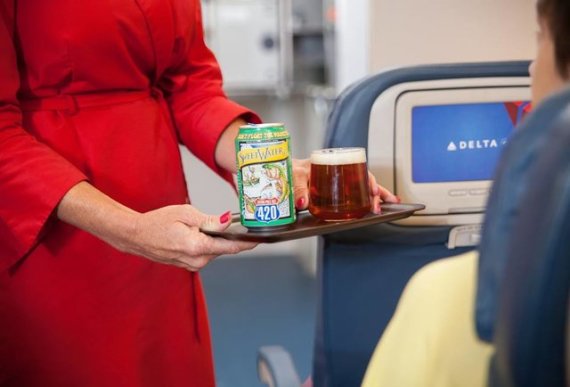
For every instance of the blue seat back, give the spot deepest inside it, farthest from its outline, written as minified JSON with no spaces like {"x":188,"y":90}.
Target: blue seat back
{"x":533,"y":295}
{"x":512,"y":181}
{"x":363,"y":273}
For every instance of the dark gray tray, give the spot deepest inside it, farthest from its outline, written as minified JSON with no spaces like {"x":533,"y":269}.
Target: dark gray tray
{"x":307,"y":225}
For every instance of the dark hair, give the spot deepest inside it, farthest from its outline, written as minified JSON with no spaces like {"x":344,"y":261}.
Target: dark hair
{"x":556,"y":13}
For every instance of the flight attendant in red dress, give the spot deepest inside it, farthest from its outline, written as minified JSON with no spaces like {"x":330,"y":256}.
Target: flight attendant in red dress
{"x":95,"y":97}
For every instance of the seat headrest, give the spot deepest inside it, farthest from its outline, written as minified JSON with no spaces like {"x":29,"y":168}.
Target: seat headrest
{"x":512,"y":181}
{"x":349,"y":118}
{"x":531,"y":317}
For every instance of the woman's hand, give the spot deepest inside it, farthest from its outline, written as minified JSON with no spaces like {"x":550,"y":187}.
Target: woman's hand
{"x":168,"y":235}
{"x":301,"y":177}
{"x":172,"y":235}
{"x":379,"y":194}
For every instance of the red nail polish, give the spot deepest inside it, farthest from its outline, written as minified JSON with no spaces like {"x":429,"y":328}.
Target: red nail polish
{"x":398,"y":200}
{"x":300,"y":202}
{"x":225,"y":217}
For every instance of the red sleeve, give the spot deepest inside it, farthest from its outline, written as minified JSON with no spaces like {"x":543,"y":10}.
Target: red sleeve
{"x":199,"y":106}
{"x":33,"y":178}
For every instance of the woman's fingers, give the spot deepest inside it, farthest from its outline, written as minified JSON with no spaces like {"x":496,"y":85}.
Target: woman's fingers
{"x":377,"y":190}
{"x":373,"y":185}
{"x":387,"y":196}
{"x":215,"y":223}
{"x":301,"y":176}
{"x":203,"y":244}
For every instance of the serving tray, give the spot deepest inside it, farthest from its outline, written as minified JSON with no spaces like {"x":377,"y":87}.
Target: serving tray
{"x":307,"y":225}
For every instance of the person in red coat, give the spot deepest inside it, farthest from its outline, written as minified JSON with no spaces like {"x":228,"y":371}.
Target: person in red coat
{"x":95,"y":97}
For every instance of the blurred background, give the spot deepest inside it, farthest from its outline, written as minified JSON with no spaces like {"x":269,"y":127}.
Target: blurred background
{"x":288,"y":60}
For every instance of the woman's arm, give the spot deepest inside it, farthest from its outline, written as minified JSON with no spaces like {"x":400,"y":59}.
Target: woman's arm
{"x":168,"y":235}
{"x":201,"y":111}
{"x":225,"y":148}
{"x":36,"y":182}
{"x":33,"y":177}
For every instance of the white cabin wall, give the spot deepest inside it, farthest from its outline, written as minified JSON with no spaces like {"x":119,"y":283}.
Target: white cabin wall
{"x":438,"y":31}
{"x":397,"y":33}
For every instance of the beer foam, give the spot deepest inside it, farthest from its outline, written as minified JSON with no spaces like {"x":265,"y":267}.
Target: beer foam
{"x":338,"y":156}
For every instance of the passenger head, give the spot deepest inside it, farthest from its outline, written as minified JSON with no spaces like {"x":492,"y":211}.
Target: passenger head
{"x":550,"y":70}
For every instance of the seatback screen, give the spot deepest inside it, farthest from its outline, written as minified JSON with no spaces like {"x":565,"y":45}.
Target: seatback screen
{"x":461,"y":142}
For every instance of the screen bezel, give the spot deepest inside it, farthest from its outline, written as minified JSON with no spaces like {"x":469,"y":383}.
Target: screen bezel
{"x":468,"y":196}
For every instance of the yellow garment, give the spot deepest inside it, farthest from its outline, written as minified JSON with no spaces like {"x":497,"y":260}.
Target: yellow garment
{"x":431,"y":340}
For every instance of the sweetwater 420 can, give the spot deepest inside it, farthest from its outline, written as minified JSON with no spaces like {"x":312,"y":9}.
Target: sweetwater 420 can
{"x":265,"y":176}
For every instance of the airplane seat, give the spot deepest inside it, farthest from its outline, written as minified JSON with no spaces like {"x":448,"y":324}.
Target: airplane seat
{"x":512,"y":180}
{"x":529,"y":331}
{"x":413,"y":122}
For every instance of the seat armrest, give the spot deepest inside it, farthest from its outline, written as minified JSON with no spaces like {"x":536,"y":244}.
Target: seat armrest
{"x":275,"y":367}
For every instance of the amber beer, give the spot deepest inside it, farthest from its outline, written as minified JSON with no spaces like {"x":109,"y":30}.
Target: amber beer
{"x":339,"y":184}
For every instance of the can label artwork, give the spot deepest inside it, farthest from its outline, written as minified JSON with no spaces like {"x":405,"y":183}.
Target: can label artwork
{"x":265,"y":176}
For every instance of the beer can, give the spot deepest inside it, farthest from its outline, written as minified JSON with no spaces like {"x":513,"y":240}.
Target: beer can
{"x":265,"y":176}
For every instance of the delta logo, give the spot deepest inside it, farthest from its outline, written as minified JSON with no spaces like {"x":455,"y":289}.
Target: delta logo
{"x":516,"y":111}
{"x":464,"y":145}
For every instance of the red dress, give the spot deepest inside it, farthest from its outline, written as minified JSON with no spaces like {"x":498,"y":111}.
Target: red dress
{"x":100,"y":90}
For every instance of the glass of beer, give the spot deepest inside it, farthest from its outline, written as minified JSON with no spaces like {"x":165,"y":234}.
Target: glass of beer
{"x":338,"y":188}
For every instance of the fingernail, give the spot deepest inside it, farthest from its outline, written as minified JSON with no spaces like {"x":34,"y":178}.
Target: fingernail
{"x":377,"y":208}
{"x":225,"y":217}
{"x":300,"y":202}
{"x":398,"y":200}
